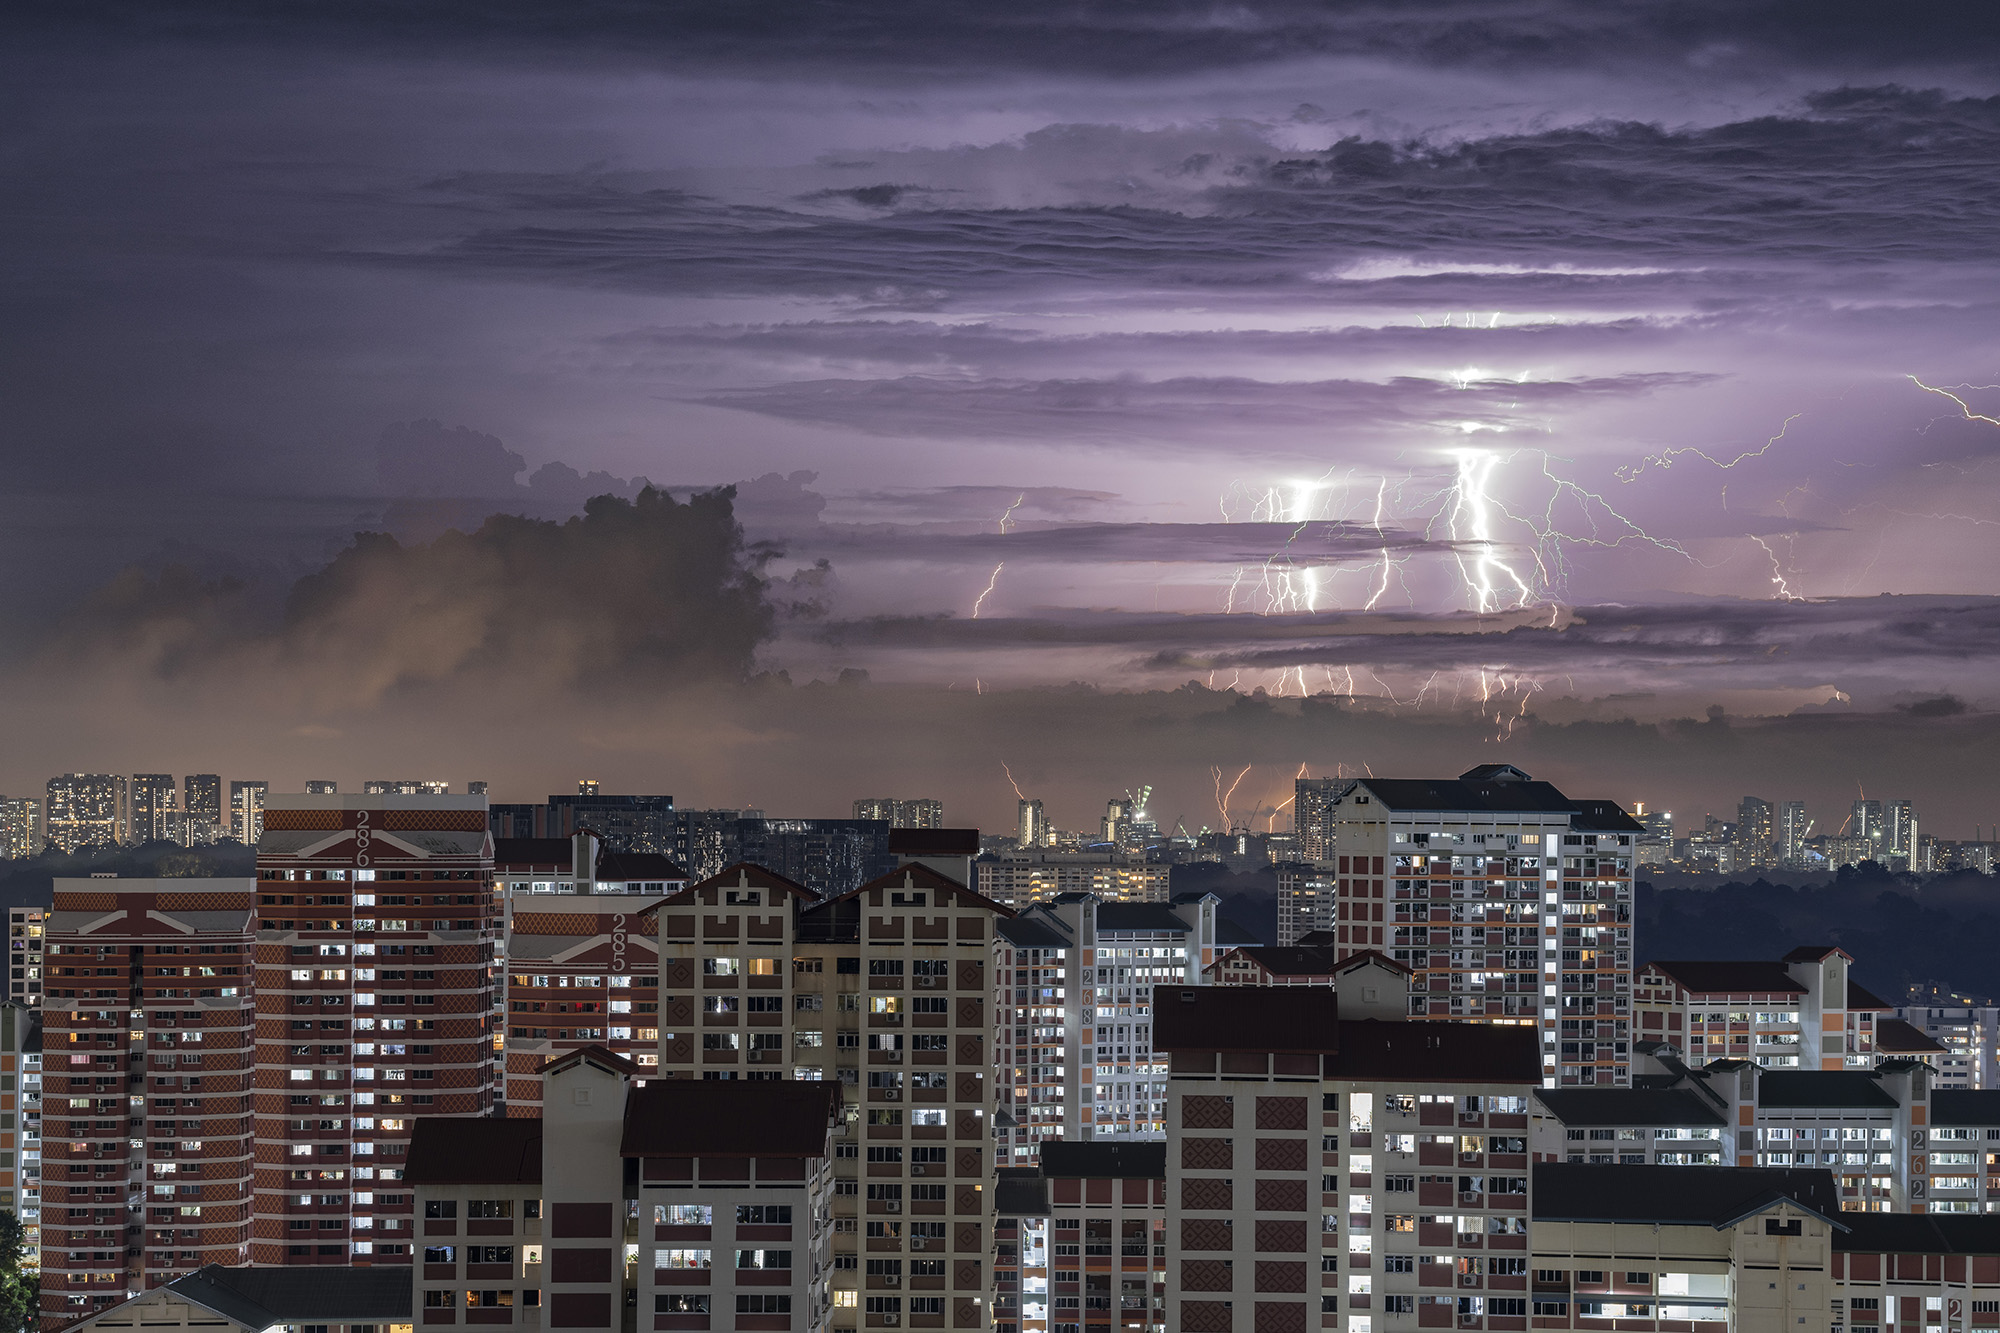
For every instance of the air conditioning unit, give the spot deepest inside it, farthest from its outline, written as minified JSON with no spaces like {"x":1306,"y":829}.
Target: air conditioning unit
{"x":892,"y":1094}
{"x":892,"y":1281}
{"x":895,"y":1057}
{"x":892,"y":1206}
{"x":918,"y":1242}
{"x":916,"y":1170}
{"x":927,"y":981}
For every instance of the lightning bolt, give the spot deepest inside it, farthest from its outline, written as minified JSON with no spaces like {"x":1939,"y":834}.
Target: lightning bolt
{"x":1785,"y":593}
{"x":1008,"y":516}
{"x":1964,"y":408}
{"x":1018,"y":793}
{"x":1279,"y":808}
{"x":1470,"y":521}
{"x":1665,"y":458}
{"x":1222,"y":797}
{"x":991,"y":583}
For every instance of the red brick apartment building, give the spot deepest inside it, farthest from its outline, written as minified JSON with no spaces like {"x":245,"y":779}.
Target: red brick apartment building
{"x":1321,"y":1169}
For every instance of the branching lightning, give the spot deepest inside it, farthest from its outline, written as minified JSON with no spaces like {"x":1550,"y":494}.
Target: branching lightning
{"x":1222,"y":797}
{"x":1665,"y":458}
{"x":1964,"y":408}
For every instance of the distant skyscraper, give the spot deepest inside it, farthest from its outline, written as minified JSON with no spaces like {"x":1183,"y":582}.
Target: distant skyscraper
{"x":405,"y":787}
{"x":86,"y":810}
{"x":322,"y":787}
{"x":246,"y":810}
{"x":201,"y":808}
{"x":1901,"y":834}
{"x":1031,"y":827}
{"x":1754,"y":834}
{"x":155,"y":809}
{"x":1312,"y":814}
{"x":918,"y":812}
{"x":475,"y":789}
{"x":20,"y":828}
{"x":1865,"y":821}
{"x":1793,"y":826}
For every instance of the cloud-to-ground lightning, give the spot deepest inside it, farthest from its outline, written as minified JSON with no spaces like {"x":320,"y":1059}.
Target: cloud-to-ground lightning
{"x":980,"y":601}
{"x":1018,"y":793}
{"x":1222,"y":797}
{"x":1488,"y":577}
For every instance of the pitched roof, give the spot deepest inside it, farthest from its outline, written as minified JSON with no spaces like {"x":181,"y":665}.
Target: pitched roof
{"x":1354,"y":960}
{"x":601,"y":1056}
{"x":917,"y":875}
{"x":1852,"y":1088}
{"x":1629,"y":1106}
{"x":1287,"y":961}
{"x":1246,"y":1018}
{"x":1228,"y":934}
{"x":934,"y":842}
{"x":1432,"y":1052}
{"x":1020,"y":1191}
{"x":262,"y":1297}
{"x":726,"y":1118}
{"x":1955,"y":1106}
{"x":1304,"y":1019}
{"x":1026,"y":932}
{"x":741,"y":875}
{"x":1813,"y":953}
{"x":1897,"y":1037}
{"x":1920,"y":1233}
{"x":1860,"y":997}
{"x":1604,"y":817}
{"x":452,"y":1151}
{"x":1759,"y":976}
{"x":1487,"y":794}
{"x":1713,"y":1196}
{"x":1099,"y":1157}
{"x":1139,"y":916}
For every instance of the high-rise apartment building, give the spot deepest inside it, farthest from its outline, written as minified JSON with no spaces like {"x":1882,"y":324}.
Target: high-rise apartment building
{"x":1308,"y":1156}
{"x":1021,"y":879}
{"x":246,"y":809}
{"x":1864,"y":820}
{"x":1967,"y":1026}
{"x":21,"y":1132}
{"x":1031,"y":824}
{"x":86,"y":810}
{"x":916,"y":812}
{"x":1804,"y":1011}
{"x":1900,"y":835}
{"x":887,"y":990}
{"x":376,"y":925}
{"x":155,"y":809}
{"x":202,"y":813}
{"x":1313,"y":801}
{"x":405,"y":787}
{"x":1074,"y":1019}
{"x":1755,"y":833}
{"x":146,"y":1091}
{"x":322,"y":787}
{"x":1306,"y":900}
{"x":1511,"y":902}
{"x":20,"y":828}
{"x":27,"y":931}
{"x":1793,"y":830}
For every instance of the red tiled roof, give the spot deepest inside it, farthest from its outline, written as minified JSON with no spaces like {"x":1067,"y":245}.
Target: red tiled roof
{"x":447,"y":1150}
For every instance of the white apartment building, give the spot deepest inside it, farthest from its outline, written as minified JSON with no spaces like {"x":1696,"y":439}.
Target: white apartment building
{"x":1511,"y":902}
{"x":1306,"y":900}
{"x":1804,"y":1011}
{"x":1074,"y":1015}
{"x":1969,"y":1033}
{"x":1024,"y":878}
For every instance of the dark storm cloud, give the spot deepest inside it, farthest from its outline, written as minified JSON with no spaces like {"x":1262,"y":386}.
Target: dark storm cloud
{"x":1101,"y":37}
{"x":1737,"y":643}
{"x":1297,"y":544}
{"x":1857,"y":176}
{"x":1135,"y":409}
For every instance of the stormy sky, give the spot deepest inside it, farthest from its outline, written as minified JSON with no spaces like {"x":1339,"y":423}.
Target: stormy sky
{"x":1607,"y":388}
